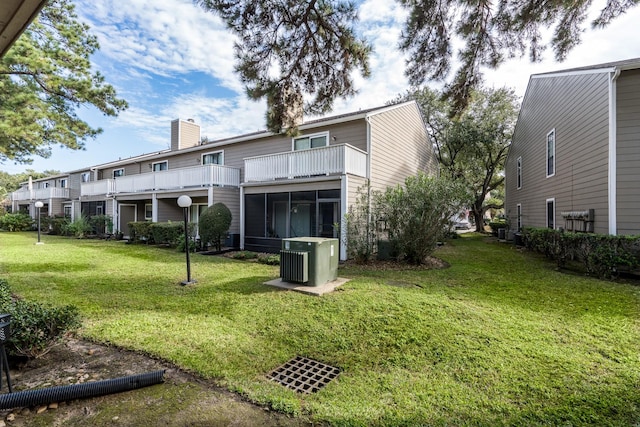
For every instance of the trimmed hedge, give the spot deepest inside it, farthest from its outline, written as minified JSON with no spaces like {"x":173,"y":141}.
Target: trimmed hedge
{"x":601,"y":255}
{"x":159,"y":233}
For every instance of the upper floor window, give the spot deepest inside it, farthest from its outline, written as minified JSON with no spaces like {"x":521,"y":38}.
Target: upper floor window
{"x":551,"y":153}
{"x":519,"y":172}
{"x":311,"y":141}
{"x":118,"y":172}
{"x":160,"y":166}
{"x":63,"y":183}
{"x":216,"y":158}
{"x":86,"y":176}
{"x":45,"y":185}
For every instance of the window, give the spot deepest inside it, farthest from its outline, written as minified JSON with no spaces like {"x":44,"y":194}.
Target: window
{"x":45,"y":185}
{"x":67,"y":211}
{"x":99,"y":209}
{"x":160,"y":166}
{"x":551,"y":153}
{"x":148,"y":212}
{"x":311,"y":141}
{"x":551,"y":213}
{"x":118,"y":172}
{"x":216,"y":158}
{"x":86,"y":176}
{"x":519,"y":172}
{"x":519,"y":215}
{"x":63,"y":183}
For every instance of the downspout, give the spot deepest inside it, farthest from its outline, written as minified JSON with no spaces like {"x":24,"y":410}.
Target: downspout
{"x":242,"y":217}
{"x":612,"y":184}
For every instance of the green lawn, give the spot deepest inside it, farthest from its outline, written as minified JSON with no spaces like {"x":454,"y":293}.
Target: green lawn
{"x":499,"y":338}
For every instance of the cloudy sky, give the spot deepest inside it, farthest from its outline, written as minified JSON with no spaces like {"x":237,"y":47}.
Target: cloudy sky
{"x":169,"y":59}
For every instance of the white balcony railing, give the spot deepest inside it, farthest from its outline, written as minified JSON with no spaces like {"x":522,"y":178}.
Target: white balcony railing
{"x":41,"y":194}
{"x":333,"y":159}
{"x":199,"y":176}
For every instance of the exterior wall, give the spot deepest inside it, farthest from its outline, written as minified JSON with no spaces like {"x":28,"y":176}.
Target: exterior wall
{"x":400,"y":147}
{"x":576,"y":106}
{"x":231,"y":198}
{"x":355,"y":182}
{"x":628,"y":152}
{"x":184,"y":134}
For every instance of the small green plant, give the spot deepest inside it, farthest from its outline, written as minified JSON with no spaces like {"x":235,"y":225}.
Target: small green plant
{"x":35,"y":328}
{"x":244,"y":255}
{"x":101,"y":224}
{"x":269,"y":259}
{"x":16,"y":222}
{"x":180,"y":245}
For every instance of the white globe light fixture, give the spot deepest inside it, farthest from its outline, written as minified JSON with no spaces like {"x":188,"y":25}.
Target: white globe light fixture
{"x":184,"y":202}
{"x":38,"y":206}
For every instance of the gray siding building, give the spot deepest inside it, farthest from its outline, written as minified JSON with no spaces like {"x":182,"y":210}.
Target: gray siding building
{"x":574,"y":162}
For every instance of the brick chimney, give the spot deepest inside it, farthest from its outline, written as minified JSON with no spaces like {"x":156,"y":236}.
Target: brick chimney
{"x":184,"y":134}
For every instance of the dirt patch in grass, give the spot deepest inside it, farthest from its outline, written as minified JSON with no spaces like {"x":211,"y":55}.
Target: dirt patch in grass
{"x":183,"y":399}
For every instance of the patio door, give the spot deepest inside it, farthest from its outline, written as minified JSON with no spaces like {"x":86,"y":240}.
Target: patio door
{"x":328,"y":216}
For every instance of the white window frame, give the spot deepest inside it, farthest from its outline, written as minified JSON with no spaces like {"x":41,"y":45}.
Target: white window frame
{"x":519,"y":216}
{"x":66,"y":208}
{"x":221,"y":152}
{"x":63,"y":183}
{"x":519,"y":172}
{"x":551,"y":155}
{"x":148,"y":206}
{"x":153,"y":166}
{"x":546,"y":212}
{"x":85,"y":177}
{"x":45,"y":185}
{"x":99,"y":210}
{"x":121,"y":170}
{"x":310,"y":136}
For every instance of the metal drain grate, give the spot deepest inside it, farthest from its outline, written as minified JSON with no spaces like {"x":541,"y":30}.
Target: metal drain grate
{"x":304,"y":375}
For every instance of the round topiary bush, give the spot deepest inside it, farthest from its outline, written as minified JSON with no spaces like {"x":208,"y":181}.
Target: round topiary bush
{"x":214,"y":224}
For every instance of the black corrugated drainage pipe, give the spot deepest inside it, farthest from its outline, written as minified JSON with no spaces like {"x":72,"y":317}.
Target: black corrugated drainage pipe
{"x":77,"y":391}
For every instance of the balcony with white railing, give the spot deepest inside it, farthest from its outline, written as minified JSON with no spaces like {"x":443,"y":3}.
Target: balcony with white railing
{"x":184,"y":178}
{"x":40,"y":194}
{"x":331,"y":160}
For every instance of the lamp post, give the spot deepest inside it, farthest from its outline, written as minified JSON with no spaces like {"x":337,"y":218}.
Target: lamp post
{"x":39,"y":206}
{"x":184,"y":202}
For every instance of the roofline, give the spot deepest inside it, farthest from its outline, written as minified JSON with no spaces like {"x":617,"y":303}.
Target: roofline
{"x":630,"y":64}
{"x":329,"y":121}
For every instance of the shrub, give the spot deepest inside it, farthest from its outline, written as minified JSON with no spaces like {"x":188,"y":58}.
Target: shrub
{"x":214,"y":224}
{"x":361,"y":227}
{"x":16,"y":222}
{"x":79,"y":228}
{"x":101,"y":224}
{"x":417,"y":215}
{"x":56,"y":224}
{"x":600,"y":255}
{"x":140,"y":231}
{"x":35,"y":328}
{"x":167,"y":233}
{"x":497,"y":223}
{"x":269,"y":259}
{"x":179,"y":243}
{"x":244,"y":255}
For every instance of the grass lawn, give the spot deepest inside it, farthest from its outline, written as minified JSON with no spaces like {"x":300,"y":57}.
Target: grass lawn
{"x":499,"y":338}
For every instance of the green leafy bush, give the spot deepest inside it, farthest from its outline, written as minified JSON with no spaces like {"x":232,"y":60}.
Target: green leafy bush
{"x":140,"y":231}
{"x":79,"y":228}
{"x":35,"y":328}
{"x":167,"y":233}
{"x":496,"y":224}
{"x":361,"y":227}
{"x":179,"y":243}
{"x":55,"y":224}
{"x":269,"y":259}
{"x":600,"y":255}
{"x":101,"y":224}
{"x":244,"y":255}
{"x":214,"y":224}
{"x":417,"y":215}
{"x":16,"y":222}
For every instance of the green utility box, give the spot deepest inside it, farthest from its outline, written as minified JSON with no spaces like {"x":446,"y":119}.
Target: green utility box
{"x":311,"y":261}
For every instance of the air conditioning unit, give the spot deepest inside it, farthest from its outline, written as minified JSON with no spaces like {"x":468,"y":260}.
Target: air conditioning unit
{"x":321,"y":260}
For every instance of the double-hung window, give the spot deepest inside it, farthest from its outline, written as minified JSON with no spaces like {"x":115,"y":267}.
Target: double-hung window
{"x":63,"y":183}
{"x":118,"y":172}
{"x":311,"y":141}
{"x":86,"y":176}
{"x":551,"y":153}
{"x":160,"y":166}
{"x":216,"y":158}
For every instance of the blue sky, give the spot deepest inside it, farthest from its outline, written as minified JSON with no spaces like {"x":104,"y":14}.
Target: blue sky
{"x":170,"y":59}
